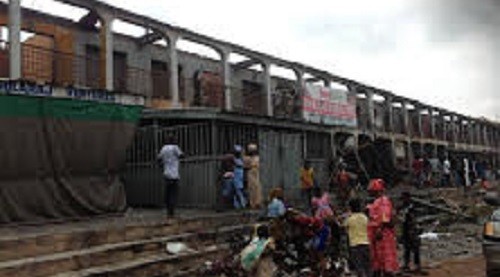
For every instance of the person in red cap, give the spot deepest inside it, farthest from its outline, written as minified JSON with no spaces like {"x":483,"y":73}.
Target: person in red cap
{"x":381,"y":231}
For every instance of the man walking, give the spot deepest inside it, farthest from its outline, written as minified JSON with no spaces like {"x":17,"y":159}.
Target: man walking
{"x":169,"y":157}
{"x":410,"y":234}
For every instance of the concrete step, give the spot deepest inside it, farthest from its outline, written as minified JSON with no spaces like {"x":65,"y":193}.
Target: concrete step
{"x":111,"y":253}
{"x":154,"y":265}
{"x":34,"y":244}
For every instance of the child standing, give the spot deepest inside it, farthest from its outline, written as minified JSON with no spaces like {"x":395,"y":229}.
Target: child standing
{"x":307,"y":183}
{"x":357,"y":229}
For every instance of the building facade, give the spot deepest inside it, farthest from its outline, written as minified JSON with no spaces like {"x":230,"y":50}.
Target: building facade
{"x":87,"y":54}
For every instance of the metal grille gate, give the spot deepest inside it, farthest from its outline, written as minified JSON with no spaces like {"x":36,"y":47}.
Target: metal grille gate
{"x":281,"y":157}
{"x":143,"y":175}
{"x":281,"y":151}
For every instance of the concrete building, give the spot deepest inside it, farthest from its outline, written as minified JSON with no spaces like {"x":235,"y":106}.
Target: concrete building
{"x":87,"y":53}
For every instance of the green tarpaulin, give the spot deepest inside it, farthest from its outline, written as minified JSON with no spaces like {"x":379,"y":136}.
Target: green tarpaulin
{"x":61,"y":158}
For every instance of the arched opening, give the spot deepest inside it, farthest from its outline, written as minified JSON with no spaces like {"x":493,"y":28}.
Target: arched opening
{"x":200,"y":83}
{"x":46,"y":55}
{"x":286,"y":93}
{"x":379,"y":112}
{"x":247,"y":86}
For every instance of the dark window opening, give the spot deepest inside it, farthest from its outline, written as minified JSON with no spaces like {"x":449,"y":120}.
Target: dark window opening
{"x":160,"y":76}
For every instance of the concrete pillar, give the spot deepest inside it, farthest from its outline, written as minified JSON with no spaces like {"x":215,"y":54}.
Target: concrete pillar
{"x":485,"y":135}
{"x":454,"y":126}
{"x":390,"y":112}
{"x":410,"y":153}
{"x":420,"y":131}
{"x":326,"y":83}
{"x":470,"y":128}
{"x":106,"y":52}
{"x":299,"y":86}
{"x":495,"y":138}
{"x":480,"y":134}
{"x":406,"y":118}
{"x":267,"y":87}
{"x":174,"y":68}
{"x":445,"y":127}
{"x":393,"y":150}
{"x":432,"y":122}
{"x":15,"y":39}
{"x":227,"y":80}
{"x":371,"y":110}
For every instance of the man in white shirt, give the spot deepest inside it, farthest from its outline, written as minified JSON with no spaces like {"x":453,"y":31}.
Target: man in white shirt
{"x":446,"y":172}
{"x":169,"y":157}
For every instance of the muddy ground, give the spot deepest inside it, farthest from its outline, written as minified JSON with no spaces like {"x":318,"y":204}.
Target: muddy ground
{"x":459,"y":267}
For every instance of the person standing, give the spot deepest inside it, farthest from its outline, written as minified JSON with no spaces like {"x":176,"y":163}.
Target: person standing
{"x":343,"y":185}
{"x":252,"y":164}
{"x":381,"y":232}
{"x":169,"y":156}
{"x":467,"y":181}
{"x":227,"y":181}
{"x":446,"y":172}
{"x":321,"y":206}
{"x":239,"y":200}
{"x":417,"y":167}
{"x":410,"y":234}
{"x":307,"y":183}
{"x":276,"y":207}
{"x":356,"y":225}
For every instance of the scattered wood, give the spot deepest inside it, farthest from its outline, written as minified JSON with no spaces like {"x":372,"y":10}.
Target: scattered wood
{"x":440,"y":208}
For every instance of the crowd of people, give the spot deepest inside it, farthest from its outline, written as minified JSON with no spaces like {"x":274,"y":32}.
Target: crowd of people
{"x":368,"y":223}
{"x":240,"y":179}
{"x":446,"y":172}
{"x":369,"y":226}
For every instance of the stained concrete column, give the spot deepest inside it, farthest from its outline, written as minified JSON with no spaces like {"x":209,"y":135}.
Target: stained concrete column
{"x":454,"y":126}
{"x":371,"y":110}
{"x":479,"y":134}
{"x":445,"y":127}
{"x":420,"y":130}
{"x":390,"y":111}
{"x":326,"y":83}
{"x":15,"y":39}
{"x":174,"y":68}
{"x":106,"y":51}
{"x":432,"y":122}
{"x":406,"y":118}
{"x":299,"y":87}
{"x":471,"y":132}
{"x":411,"y":155}
{"x":485,"y":135}
{"x":267,"y":87}
{"x":227,"y":79}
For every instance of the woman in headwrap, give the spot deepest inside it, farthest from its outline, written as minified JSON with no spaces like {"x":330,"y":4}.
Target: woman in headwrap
{"x":381,"y":231}
{"x":252,"y":165}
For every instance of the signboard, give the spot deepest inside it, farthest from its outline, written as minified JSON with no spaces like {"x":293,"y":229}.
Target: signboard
{"x":329,"y":106}
{"x":33,"y":89}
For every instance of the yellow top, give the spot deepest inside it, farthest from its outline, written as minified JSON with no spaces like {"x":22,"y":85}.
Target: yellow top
{"x":357,"y":229}
{"x":306,"y":178}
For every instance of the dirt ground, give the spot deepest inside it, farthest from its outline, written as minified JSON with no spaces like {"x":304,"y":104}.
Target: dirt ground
{"x":459,"y":267}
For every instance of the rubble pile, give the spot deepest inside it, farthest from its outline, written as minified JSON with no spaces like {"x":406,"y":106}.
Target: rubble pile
{"x":456,"y":240}
{"x":451,"y":219}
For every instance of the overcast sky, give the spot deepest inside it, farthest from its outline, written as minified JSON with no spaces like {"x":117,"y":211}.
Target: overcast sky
{"x":445,"y":52}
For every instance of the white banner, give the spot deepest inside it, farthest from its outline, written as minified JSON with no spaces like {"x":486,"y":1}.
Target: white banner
{"x":329,"y":106}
